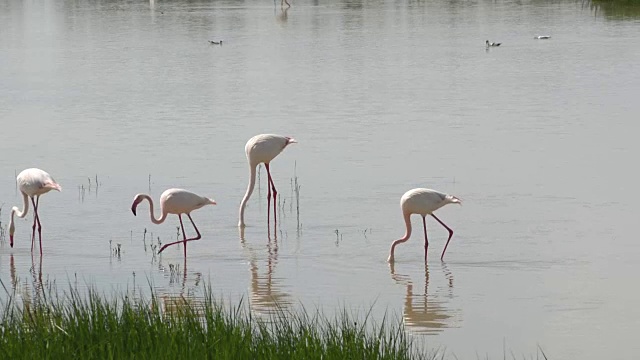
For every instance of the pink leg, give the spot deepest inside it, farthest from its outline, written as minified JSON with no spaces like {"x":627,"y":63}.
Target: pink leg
{"x":33,"y":227}
{"x":184,"y":235}
{"x":275,"y":194}
{"x":38,"y":220}
{"x":450,"y":235}
{"x":426,"y":240}
{"x":268,"y":196}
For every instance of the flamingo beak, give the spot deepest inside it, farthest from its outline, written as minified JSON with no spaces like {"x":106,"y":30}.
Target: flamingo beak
{"x":133,"y":209}
{"x":11,"y":240}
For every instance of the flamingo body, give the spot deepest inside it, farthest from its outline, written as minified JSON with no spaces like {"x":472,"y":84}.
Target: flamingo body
{"x":265,"y":147}
{"x":423,"y":202}
{"x":32,"y":183}
{"x":259,"y":149}
{"x":178,"y":202}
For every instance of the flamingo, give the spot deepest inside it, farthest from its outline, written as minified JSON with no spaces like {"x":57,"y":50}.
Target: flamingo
{"x":262,"y":149}
{"x":424,"y":202}
{"x":32,"y":183}
{"x":175,"y":201}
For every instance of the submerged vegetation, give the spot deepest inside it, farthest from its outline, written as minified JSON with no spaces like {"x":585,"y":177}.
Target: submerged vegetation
{"x":96,"y":327}
{"x":616,"y":9}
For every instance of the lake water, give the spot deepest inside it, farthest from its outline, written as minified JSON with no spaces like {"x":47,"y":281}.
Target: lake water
{"x":535,"y":136}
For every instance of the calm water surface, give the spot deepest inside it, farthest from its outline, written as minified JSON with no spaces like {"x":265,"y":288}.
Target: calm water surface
{"x":537,"y":137}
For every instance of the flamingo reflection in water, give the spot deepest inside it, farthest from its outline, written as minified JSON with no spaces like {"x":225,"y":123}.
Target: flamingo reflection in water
{"x":32,"y":293}
{"x":266,"y":294}
{"x":424,"y":312}
{"x":181,"y":303}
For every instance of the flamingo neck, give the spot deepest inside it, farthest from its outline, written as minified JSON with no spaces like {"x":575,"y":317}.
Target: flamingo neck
{"x":163,"y":214}
{"x":25,"y":208}
{"x":247,"y":195}
{"x":407,"y":235}
{"x":21,"y":214}
{"x":407,"y":224}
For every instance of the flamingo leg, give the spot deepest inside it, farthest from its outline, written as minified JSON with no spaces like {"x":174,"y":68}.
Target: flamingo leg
{"x":198,"y":236}
{"x":35,"y":221}
{"x":450,"y":235}
{"x":184,"y":235}
{"x":268,"y":196}
{"x":275,"y":193}
{"x":33,"y":227}
{"x":37,"y":216}
{"x":426,"y":240}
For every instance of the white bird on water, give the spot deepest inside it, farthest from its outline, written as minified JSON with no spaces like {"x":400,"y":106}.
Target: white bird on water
{"x":175,"y":201}
{"x":262,"y":149}
{"x":491,"y":43}
{"x":424,"y":202}
{"x":542,"y":37}
{"x":32,"y":183}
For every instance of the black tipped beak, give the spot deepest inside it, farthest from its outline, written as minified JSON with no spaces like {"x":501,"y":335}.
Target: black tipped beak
{"x":133,"y":210}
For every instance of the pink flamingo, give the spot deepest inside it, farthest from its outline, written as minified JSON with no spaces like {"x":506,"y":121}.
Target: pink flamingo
{"x":423,"y":202}
{"x":175,"y":201}
{"x":32,"y":183}
{"x":262,"y":149}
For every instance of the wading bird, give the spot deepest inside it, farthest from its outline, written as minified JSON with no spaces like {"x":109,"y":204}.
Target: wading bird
{"x":423,"y":202}
{"x":32,"y":183}
{"x":175,"y":201}
{"x":262,"y":149}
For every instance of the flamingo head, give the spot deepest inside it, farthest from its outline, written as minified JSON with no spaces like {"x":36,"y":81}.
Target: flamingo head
{"x":450,"y":199}
{"x":136,"y":201}
{"x":211,"y":201}
{"x":290,"y":140}
{"x":53,"y":186}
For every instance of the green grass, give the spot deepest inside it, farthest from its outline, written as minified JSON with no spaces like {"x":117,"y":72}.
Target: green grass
{"x":73,"y":326}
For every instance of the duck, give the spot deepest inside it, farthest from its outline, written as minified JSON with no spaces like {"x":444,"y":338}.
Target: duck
{"x":542,"y":37}
{"x":492,"y":43}
{"x":215,"y":42}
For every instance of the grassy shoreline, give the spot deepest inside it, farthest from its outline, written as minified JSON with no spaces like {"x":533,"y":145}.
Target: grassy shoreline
{"x":97,"y":327}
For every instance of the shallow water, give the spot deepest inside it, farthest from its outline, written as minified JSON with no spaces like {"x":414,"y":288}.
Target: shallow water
{"x":535,"y":136}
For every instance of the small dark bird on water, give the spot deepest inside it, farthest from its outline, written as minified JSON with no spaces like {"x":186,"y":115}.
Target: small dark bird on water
{"x":492,"y":43}
{"x":216,"y":42}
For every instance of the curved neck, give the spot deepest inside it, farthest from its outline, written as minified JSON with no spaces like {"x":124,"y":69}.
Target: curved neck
{"x":247,"y":195}
{"x":163,"y":214}
{"x":407,"y":223}
{"x":16,"y":211}
{"x":407,"y":235}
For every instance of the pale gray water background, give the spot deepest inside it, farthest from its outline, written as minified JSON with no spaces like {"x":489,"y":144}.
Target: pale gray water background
{"x":537,"y":137}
